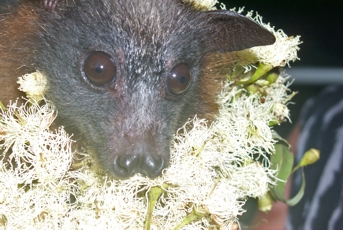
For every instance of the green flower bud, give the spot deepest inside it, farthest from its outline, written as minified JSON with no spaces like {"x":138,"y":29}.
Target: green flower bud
{"x":265,"y":203}
{"x":310,"y":157}
{"x":272,"y":76}
{"x":252,"y":88}
{"x":3,"y":220}
{"x":2,"y":106}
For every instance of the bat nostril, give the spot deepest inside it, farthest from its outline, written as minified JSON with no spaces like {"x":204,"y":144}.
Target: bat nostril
{"x":152,"y":166}
{"x":126,"y":166}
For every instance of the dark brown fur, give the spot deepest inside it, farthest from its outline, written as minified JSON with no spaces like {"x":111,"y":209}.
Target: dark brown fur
{"x":16,"y":55}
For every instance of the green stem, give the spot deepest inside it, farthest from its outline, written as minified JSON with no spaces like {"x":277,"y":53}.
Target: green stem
{"x":193,"y":216}
{"x":260,"y":71}
{"x":153,"y":195}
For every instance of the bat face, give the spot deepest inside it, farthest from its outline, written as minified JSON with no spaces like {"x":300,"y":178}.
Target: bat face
{"x":125,"y":75}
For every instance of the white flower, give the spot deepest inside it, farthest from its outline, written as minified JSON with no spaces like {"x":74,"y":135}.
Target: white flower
{"x":37,"y":153}
{"x":33,"y":84}
{"x":279,"y":54}
{"x":213,"y":169}
{"x":204,"y":4}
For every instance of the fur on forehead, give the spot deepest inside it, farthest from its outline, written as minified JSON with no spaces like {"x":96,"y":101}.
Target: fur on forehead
{"x":155,"y":20}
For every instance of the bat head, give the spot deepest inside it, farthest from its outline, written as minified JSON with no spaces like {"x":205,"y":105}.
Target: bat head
{"x":126,"y":74}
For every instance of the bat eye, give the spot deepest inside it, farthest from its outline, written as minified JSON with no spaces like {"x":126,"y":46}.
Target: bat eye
{"x":99,"y":68}
{"x":179,"y":79}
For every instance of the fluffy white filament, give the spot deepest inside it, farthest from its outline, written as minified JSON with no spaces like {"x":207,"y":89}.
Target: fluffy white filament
{"x":279,"y":54}
{"x":212,"y":169}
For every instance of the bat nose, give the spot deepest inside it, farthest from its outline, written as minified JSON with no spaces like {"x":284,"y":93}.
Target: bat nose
{"x":128,"y":165}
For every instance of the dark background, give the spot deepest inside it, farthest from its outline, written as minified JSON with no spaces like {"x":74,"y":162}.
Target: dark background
{"x":320,"y":24}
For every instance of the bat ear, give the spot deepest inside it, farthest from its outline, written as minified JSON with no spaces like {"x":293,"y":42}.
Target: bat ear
{"x":227,"y":31}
